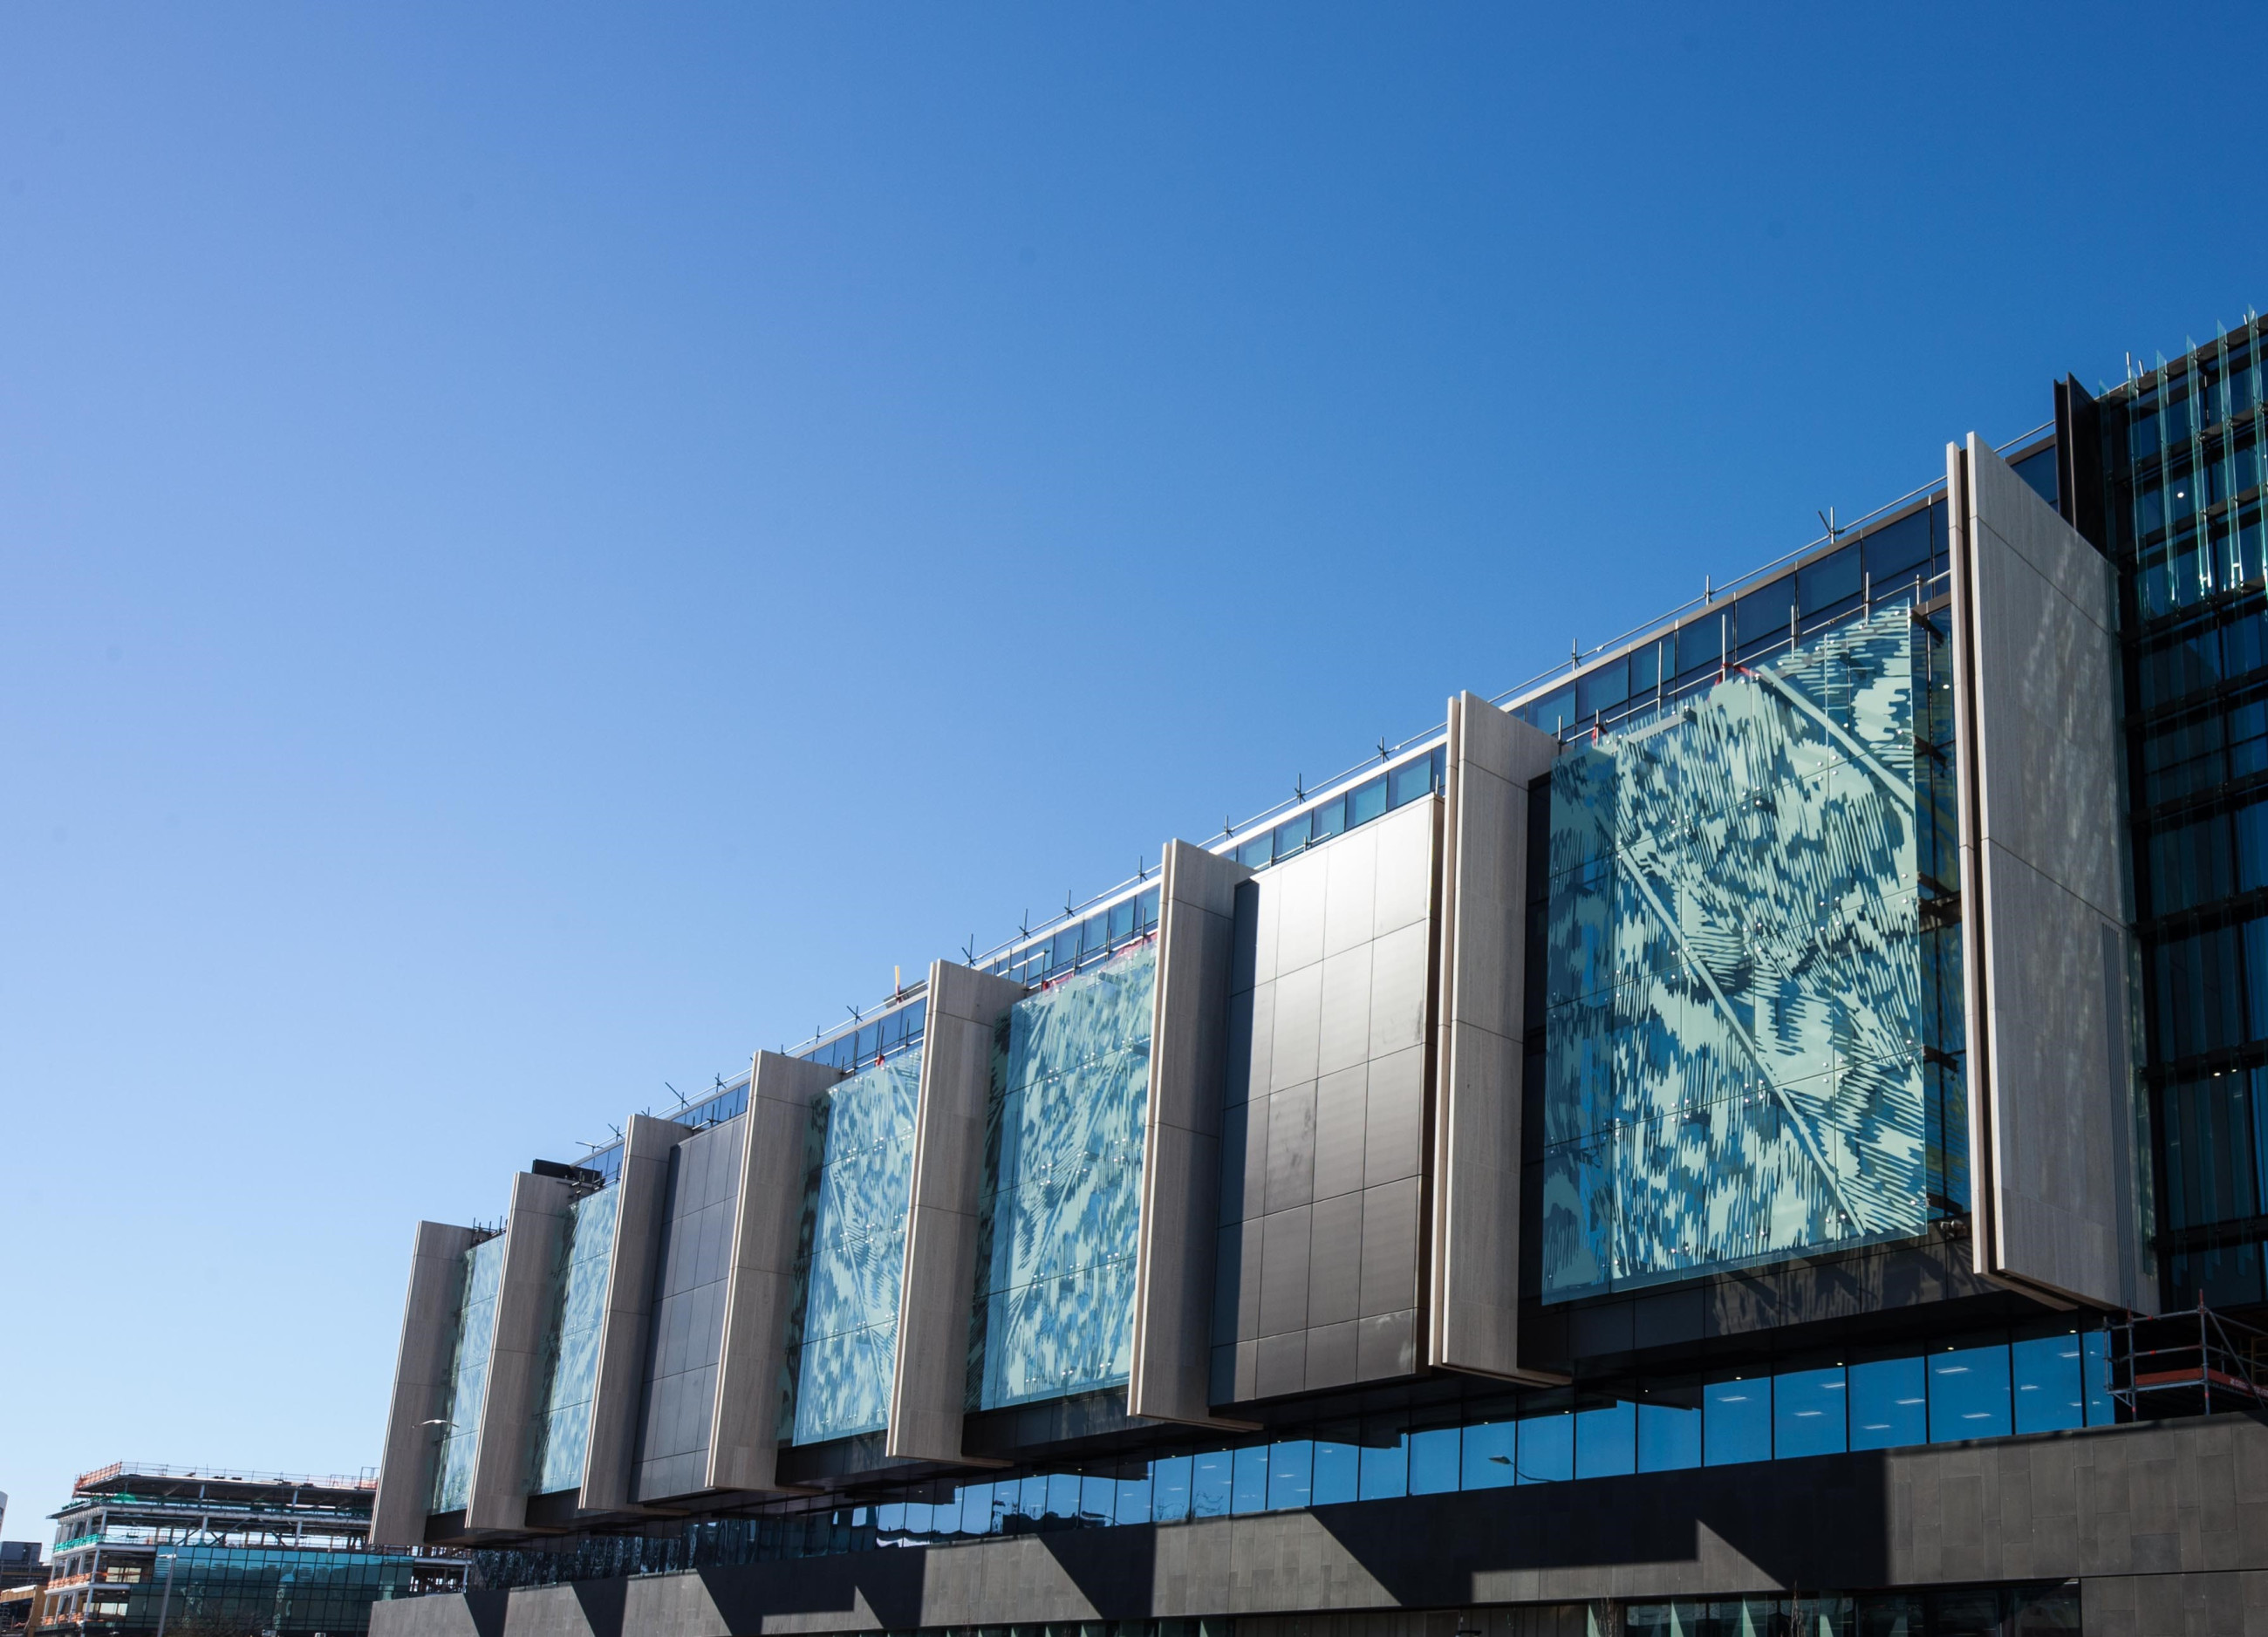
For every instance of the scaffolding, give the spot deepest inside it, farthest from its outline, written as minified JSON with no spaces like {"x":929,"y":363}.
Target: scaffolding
{"x":2193,"y":1362}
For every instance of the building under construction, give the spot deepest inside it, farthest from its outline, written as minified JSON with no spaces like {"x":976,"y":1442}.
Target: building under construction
{"x":213,"y":1552}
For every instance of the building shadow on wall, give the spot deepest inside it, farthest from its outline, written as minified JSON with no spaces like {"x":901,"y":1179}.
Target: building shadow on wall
{"x":1821,"y":1520}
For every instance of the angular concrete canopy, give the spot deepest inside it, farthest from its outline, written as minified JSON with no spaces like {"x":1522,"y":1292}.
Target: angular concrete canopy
{"x":421,"y":1370}
{"x":620,"y":1384}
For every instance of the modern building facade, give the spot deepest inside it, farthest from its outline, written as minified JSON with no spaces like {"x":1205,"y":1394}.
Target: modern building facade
{"x":1681,"y":1148}
{"x":143,"y":1547}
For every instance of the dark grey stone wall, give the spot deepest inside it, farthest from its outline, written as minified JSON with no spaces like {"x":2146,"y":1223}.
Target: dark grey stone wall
{"x":688,"y":1314}
{"x":2166,"y":1525}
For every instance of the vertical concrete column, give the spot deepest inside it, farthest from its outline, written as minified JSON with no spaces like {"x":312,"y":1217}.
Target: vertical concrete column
{"x":744,"y":1439}
{"x":1180,"y":1146}
{"x":929,"y":1380}
{"x":531,"y":1234}
{"x":2052,"y":1172}
{"x":421,"y":1370}
{"x":1473,"y":1322}
{"x":620,"y":1384}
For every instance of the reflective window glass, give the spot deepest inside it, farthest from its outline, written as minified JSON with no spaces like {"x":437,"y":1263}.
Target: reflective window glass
{"x":1412,"y":781}
{"x":1601,"y":689}
{"x":1968,"y":1394}
{"x":1258,"y":853}
{"x":1251,"y":1480}
{"x":1290,"y":836}
{"x":1832,"y":579}
{"x":1893,"y":551}
{"x":1606,"y":1441}
{"x":1365,"y":802}
{"x":1488,"y":1453}
{"x":1547,"y":1448}
{"x":1890,"y":1403}
{"x":2050,"y":1394}
{"x":1761,"y":616}
{"x":1807,"y":1413}
{"x":1385,"y":1469}
{"x":1736,"y":1421}
{"x":2102,"y":1409}
{"x":1555,"y":712}
{"x":1291,"y":1475}
{"x":1134,"y":1505}
{"x":1169,"y":1489}
{"x":1329,"y":820}
{"x":1668,"y":1437}
{"x":1701,"y":644}
{"x":1337,"y":1472}
{"x":1209,"y":1484}
{"x":1433,"y":1461}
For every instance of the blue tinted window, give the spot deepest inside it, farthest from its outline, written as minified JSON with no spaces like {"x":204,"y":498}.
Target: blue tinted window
{"x":1736,"y":1421}
{"x":1807,"y":1413}
{"x":1554,"y":713}
{"x":1337,"y":1472}
{"x":1251,"y":1480}
{"x":1169,"y":1489}
{"x":1121,"y":920}
{"x":1890,"y":1403}
{"x":1412,"y":781}
{"x":1968,"y":1394}
{"x":1208,"y":1485}
{"x":1290,"y":836}
{"x":1329,"y":819}
{"x":1700,"y":645}
{"x":1892,"y":553}
{"x":1491,"y":1449}
{"x":2101,"y":1410}
{"x":1291,"y":1475}
{"x":1668,"y":1437}
{"x":2039,"y":470}
{"x":1385,"y":1469}
{"x":2050,"y":1394}
{"x":1133,"y":1502}
{"x":1365,"y":802}
{"x":1147,"y":907}
{"x":1606,"y":1441}
{"x":1433,"y":1461}
{"x":1646,"y":668}
{"x":1832,"y":579}
{"x":1602,"y":689}
{"x":1258,"y":853}
{"x":1761,"y":616}
{"x":1547,"y":1448}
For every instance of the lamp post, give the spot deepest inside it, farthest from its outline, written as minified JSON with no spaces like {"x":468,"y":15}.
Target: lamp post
{"x":165,"y":1602}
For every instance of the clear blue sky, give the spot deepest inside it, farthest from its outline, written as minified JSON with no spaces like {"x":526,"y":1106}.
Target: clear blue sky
{"x":542,"y":548}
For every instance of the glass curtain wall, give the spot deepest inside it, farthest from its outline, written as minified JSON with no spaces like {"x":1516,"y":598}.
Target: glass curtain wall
{"x":1063,"y":1191}
{"x":843,"y":1343}
{"x":2183,"y":458}
{"x":469,"y":1375}
{"x":1751,"y":1043}
{"x":569,"y":1369}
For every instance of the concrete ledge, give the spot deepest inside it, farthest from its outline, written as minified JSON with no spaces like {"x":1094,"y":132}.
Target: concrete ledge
{"x":405,"y":1472}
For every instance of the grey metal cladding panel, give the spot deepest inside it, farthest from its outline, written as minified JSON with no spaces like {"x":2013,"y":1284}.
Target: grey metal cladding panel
{"x":1244,"y":1160}
{"x":1291,"y":1178}
{"x":1293,"y":1054}
{"x":2036,"y":662}
{"x":1335,"y":1261}
{"x":929,"y":1378}
{"x":1386,"y":1345}
{"x":1389,"y":1247}
{"x":1283,"y":1238}
{"x":1281,"y":1364}
{"x":1345,"y":1008}
{"x":1405,"y":866}
{"x":1350,"y":892}
{"x":1473,"y":1319}
{"x":498,"y":1495}
{"x":640,"y":1225}
{"x":1333,"y":1358}
{"x":1263,"y":906}
{"x":744,"y":1445}
{"x":1394,"y":1117}
{"x":422,"y":1364}
{"x":1244,"y":916}
{"x":1236,"y":1080}
{"x":1399,"y":963}
{"x":1298,"y":887}
{"x":1341,"y":1101}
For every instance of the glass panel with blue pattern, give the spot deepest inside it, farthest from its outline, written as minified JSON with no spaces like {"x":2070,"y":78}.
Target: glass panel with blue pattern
{"x":861,"y":1152}
{"x":1741,"y":997}
{"x":1063,"y":1196}
{"x":562,"y":1409}
{"x":468,"y":1375}
{"x":1081,"y":943}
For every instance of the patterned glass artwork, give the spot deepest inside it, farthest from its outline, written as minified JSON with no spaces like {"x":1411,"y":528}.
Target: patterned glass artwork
{"x":562,"y":1412}
{"x":1062,"y":1193}
{"x":861,"y":1148}
{"x":1746,"y":1034}
{"x":469,"y":1375}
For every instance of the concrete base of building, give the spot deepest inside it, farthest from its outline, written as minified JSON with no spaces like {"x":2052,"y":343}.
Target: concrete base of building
{"x":2164,"y":1526}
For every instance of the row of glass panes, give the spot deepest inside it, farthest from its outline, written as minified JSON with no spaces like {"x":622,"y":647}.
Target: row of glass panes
{"x":2174,"y":411}
{"x":870,"y":1043}
{"x":1374,"y":798}
{"x":1080,"y":943}
{"x":1887,"y":565}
